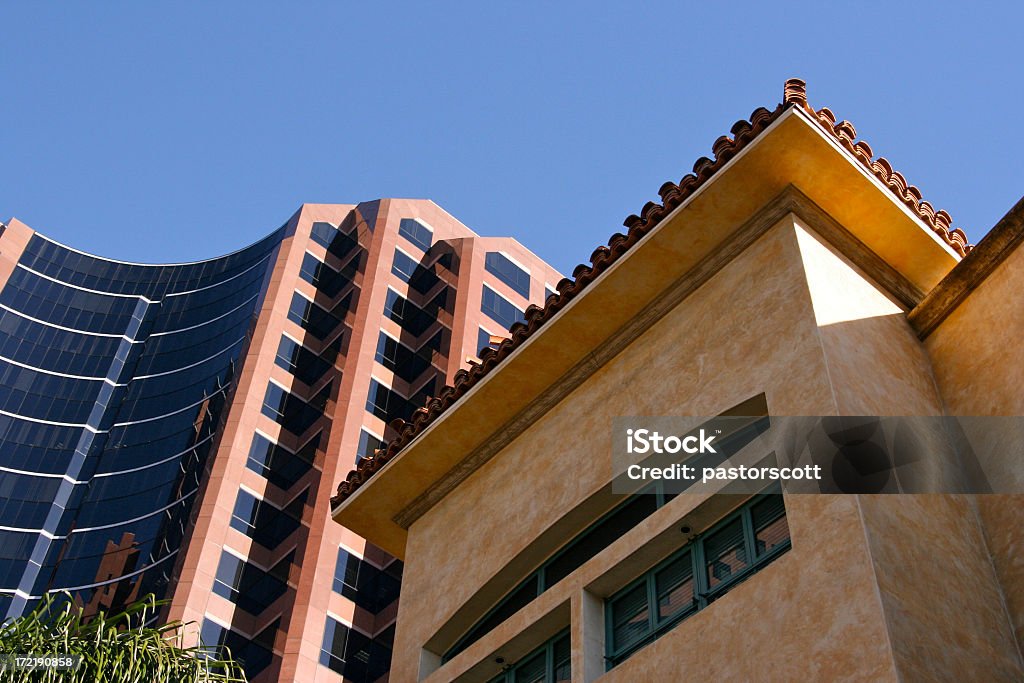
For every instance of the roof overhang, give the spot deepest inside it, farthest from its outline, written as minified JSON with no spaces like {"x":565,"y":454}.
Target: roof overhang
{"x":793,"y":152}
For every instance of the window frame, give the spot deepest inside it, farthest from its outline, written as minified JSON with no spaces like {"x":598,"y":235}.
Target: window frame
{"x":497,"y":262}
{"x":493,"y":313}
{"x":538,"y":575}
{"x":396,"y":265}
{"x":703,"y":595}
{"x":319,"y":236}
{"x":363,"y":431}
{"x":548,"y":649}
{"x":412,"y":237}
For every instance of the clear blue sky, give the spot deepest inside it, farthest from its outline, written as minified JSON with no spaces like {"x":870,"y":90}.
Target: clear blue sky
{"x":181,"y":131}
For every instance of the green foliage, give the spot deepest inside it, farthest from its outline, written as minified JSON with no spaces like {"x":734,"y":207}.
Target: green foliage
{"x":115,"y":649}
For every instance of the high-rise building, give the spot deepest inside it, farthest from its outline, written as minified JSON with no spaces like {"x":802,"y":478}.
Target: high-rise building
{"x":796,"y":287}
{"x":177,"y":429}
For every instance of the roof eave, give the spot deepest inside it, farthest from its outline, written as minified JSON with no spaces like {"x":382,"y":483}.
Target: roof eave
{"x":792,"y":150}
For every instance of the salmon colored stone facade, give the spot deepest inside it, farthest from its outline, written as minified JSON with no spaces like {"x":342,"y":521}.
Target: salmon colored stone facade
{"x":361,"y":261}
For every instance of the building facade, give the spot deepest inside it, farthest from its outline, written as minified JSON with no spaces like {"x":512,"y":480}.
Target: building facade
{"x":176,"y":429}
{"x":794,"y":274}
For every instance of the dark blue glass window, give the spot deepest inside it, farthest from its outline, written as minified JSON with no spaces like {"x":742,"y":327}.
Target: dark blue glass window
{"x":25,"y":500}
{"x":411,"y":317}
{"x":290,"y":411}
{"x":344,"y":244}
{"x":243,"y":517}
{"x":368,"y":443}
{"x":274,"y":402}
{"x":370,"y":587}
{"x":404,"y":266}
{"x":325,"y":278}
{"x":247,"y":585}
{"x":323,"y":233}
{"x":387,"y":351}
{"x":254,"y":655}
{"x":549,"y":292}
{"x":483,"y":340}
{"x":309,"y":316}
{"x":499,"y":309}
{"x":354,"y":655}
{"x":394,"y":305}
{"x":386,"y":403}
{"x":507,"y":271}
{"x":262,"y":522}
{"x":417,"y":233}
{"x":380,"y":400}
{"x":288,"y":354}
{"x":300,"y":361}
{"x":278,"y":465}
{"x":311,"y":269}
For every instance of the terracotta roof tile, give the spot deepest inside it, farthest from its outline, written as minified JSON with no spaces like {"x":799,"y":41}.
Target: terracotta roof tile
{"x":672,"y":195}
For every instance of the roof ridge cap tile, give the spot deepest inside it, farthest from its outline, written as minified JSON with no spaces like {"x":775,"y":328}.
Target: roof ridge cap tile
{"x":671,"y":195}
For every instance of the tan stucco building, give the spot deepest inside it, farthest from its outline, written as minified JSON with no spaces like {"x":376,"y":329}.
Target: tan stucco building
{"x":793,"y":269}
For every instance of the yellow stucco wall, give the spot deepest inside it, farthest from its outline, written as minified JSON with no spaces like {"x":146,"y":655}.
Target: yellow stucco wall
{"x":979,"y":369}
{"x":791,"y":318}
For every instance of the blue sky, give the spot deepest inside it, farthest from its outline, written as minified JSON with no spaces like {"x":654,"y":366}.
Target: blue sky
{"x":184,"y":130}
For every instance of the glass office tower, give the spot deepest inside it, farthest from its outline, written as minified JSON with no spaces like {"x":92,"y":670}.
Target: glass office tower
{"x":114,"y":378}
{"x":177,"y":429}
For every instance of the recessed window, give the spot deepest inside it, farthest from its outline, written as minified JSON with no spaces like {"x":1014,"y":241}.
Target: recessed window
{"x":368,"y":443}
{"x":344,"y":244}
{"x":701,"y":572}
{"x":499,"y":309}
{"x":606,"y":530}
{"x":483,"y":340}
{"x":228,"y":577}
{"x":290,"y":411}
{"x":387,"y":351}
{"x":550,"y":663}
{"x":253,"y":654}
{"x":309,"y":316}
{"x":276,"y":464}
{"x":369,"y":587}
{"x":248,"y":586}
{"x":416,"y":232}
{"x":403,"y":361}
{"x":287,"y":354}
{"x":300,"y":361}
{"x":355,"y":655}
{"x":394,"y":305}
{"x":507,"y":271}
{"x":346,"y":573}
{"x":312,"y":269}
{"x":243,"y":517}
{"x":387,"y":404}
{"x":274,"y":402}
{"x":323,"y":233}
{"x":549,"y":292}
{"x":585,"y":546}
{"x":264,"y":523}
{"x":404,"y":266}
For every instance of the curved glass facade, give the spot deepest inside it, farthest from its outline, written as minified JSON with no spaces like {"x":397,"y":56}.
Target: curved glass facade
{"x":114,"y":379}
